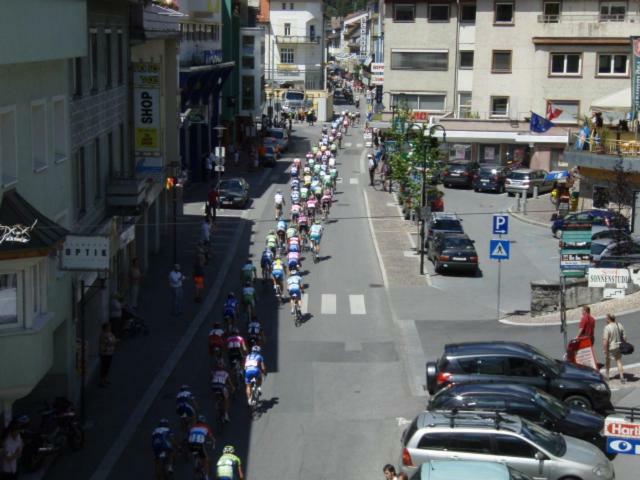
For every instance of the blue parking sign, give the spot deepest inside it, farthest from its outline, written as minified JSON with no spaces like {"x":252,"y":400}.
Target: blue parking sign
{"x":500,"y":224}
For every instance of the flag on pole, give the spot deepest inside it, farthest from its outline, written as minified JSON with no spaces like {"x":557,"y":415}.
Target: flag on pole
{"x":539,"y":124}
{"x":553,"y":111}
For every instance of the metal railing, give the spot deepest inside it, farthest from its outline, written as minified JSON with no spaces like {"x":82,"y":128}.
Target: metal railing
{"x":297,"y":39}
{"x":593,"y":144}
{"x":589,"y":17}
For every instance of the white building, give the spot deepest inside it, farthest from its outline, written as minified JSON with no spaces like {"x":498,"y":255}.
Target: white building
{"x":252,"y":51}
{"x":295,"y":44}
{"x":490,"y":63}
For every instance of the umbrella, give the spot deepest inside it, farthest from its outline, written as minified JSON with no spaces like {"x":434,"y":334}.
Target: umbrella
{"x":557,"y":175}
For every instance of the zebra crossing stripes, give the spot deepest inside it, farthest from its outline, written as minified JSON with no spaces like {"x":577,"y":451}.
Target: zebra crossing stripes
{"x":356,"y":305}
{"x":328,"y":305}
{"x":332,"y":304}
{"x":304,"y":307}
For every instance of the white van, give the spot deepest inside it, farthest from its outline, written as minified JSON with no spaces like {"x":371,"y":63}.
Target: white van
{"x":292,"y":101}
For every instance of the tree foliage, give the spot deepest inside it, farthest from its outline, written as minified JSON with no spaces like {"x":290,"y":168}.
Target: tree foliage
{"x":342,"y":8}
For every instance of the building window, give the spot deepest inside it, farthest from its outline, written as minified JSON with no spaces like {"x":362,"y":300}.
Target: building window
{"x":404,"y":12}
{"x":77,"y":77}
{"x":504,"y":13}
{"x":613,"y":64}
{"x":215,"y":34}
{"x":565,"y":64}
{"x":466,"y":59}
{"x":286,"y":55}
{"x":81,"y":183}
{"x":439,"y":12}
{"x":464,"y":104}
{"x":9,"y":294}
{"x":501,"y":61}
{"x":93,"y":58}
{"x":551,"y":12}
{"x":460,"y":151}
{"x":97,"y":166}
{"x":613,"y":11}
{"x":287,"y":29}
{"x":291,"y":6}
{"x":8,"y":152}
{"x":312,"y":32}
{"x":488,"y":153}
{"x":107,"y":53}
{"x":39,"y":135}
{"x":468,"y":13}
{"x":120,"y":58}
{"x":570,"y":110}
{"x":412,"y":60}
{"x":431,"y":102}
{"x":499,"y":106}
{"x":284,"y":6}
{"x":248,"y":62}
{"x":60,"y":148}
{"x":248,"y":92}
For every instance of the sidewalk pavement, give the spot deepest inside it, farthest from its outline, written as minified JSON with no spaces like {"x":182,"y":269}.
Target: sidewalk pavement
{"x":538,"y":211}
{"x":137,"y":361}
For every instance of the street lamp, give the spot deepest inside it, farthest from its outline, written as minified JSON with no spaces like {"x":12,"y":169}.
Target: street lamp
{"x":220,"y":153}
{"x":423,"y":199}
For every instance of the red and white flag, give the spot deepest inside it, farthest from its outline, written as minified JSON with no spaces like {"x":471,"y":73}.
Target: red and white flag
{"x":553,"y":111}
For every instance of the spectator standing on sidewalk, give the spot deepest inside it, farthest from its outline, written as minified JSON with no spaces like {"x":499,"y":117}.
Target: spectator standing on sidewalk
{"x":12,"y":445}
{"x":107,"y":348}
{"x":587,"y":324}
{"x":135,"y":279}
{"x":389,"y":472}
{"x":115,"y":314}
{"x":372,"y":168}
{"x":176,"y":279}
{"x":612,"y":337}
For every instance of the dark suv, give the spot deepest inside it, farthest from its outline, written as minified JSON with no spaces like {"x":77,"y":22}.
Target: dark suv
{"x":459,"y":174}
{"x":512,"y":362}
{"x":490,"y":177}
{"x":441,"y":222}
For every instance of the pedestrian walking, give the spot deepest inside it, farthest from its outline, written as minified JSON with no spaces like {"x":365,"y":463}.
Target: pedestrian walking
{"x":208,"y":165}
{"x":389,"y":472}
{"x":205,"y":231}
{"x":107,"y":346}
{"x":115,"y":315}
{"x":135,"y":279}
{"x":176,"y":279}
{"x":12,"y":446}
{"x":198,"y":274}
{"x":212,"y":203}
{"x":612,"y":338}
{"x":587,"y":324}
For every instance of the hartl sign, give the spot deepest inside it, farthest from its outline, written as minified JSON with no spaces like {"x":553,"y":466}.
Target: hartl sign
{"x":617,"y":427}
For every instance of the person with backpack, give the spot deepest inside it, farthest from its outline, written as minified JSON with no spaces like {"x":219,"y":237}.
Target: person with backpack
{"x":612,"y":338}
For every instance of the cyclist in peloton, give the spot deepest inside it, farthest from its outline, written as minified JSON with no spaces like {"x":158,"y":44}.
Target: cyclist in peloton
{"x":249,"y":272}
{"x":266,"y":261}
{"x":201,"y":436}
{"x":282,"y":227}
{"x":249,"y":297}
{"x":271,"y":240}
{"x":254,"y":368}
{"x":255,"y":333}
{"x":278,"y":200}
{"x":163,"y":445}
{"x":277,"y":273}
{"x":216,"y":341}
{"x":293,"y":261}
{"x":326,"y":201}
{"x":312,"y":205}
{"x":222,"y":382}
{"x":316,"y":236}
{"x":229,"y":466}
{"x":186,"y":408}
{"x":295,"y":288}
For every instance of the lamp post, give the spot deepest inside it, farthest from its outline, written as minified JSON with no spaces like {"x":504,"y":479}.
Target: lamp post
{"x":220,"y":150}
{"x":423,"y":199}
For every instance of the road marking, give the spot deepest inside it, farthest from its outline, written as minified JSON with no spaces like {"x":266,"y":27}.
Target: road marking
{"x":348,"y":145}
{"x":328,"y":305}
{"x":304,"y":308}
{"x":376,"y":247}
{"x":410,"y":253}
{"x":354,"y":181}
{"x":359,"y":145}
{"x":356,"y":305}
{"x":402,"y":421}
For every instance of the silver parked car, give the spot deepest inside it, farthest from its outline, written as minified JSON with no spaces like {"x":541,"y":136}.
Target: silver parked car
{"x":497,"y":437}
{"x":523,"y":180}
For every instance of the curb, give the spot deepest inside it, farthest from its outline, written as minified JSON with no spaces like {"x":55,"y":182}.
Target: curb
{"x":525,"y":219}
{"x":554,"y":323}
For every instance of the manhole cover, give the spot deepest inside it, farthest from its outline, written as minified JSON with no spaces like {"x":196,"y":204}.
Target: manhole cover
{"x":375,"y":285}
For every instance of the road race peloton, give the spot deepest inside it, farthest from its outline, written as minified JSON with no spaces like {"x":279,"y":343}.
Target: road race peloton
{"x":300,"y":215}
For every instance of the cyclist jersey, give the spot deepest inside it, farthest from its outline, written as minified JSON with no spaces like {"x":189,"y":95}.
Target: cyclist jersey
{"x":253,"y":329}
{"x":235,"y":342}
{"x":282,"y":226}
{"x":267,"y":255}
{"x":184,"y":396}
{"x":303,"y":220}
{"x":271,"y":241}
{"x":294,"y":281}
{"x":296,"y":162}
{"x":333,"y":147}
{"x":200,"y":433}
{"x":316,"y":230}
{"x":304,"y":193}
{"x":277,"y":266}
{"x":161,"y":440}
{"x":317,"y":190}
{"x":314,"y":183}
{"x":227,"y":466}
{"x":253,"y":361}
{"x":333,"y":172}
{"x":291,"y":232}
{"x":278,"y":199}
{"x":249,"y":293}
{"x":312,"y":203}
{"x":316,"y":169}
{"x":295,"y":196}
{"x":327,"y":181}
{"x":219,"y":377}
{"x":184,"y":404}
{"x":314,"y":150}
{"x":332,"y":162}
{"x":216,"y":338}
{"x":295,"y":183}
{"x":295,"y":209}
{"x":248,"y":269}
{"x":307,"y":179}
{"x":293,"y":256}
{"x":339,"y":134}
{"x":293,"y":240}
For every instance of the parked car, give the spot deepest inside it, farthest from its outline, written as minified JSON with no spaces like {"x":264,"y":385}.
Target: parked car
{"x":595,"y":218}
{"x":453,"y":252}
{"x":490,"y":177}
{"x":467,"y":470}
{"x":234,"y":192}
{"x":513,"y":362}
{"x":607,"y":248}
{"x":270,"y":156}
{"x":497,"y":437}
{"x":272,"y":142}
{"x":523,"y":180}
{"x":281,"y":135}
{"x":615,"y":233}
{"x":529,"y":402}
{"x":442,"y":222}
{"x":459,"y":174}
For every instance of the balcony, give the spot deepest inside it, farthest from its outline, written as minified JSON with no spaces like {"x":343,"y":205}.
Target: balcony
{"x":126,"y":192}
{"x":589,"y":17}
{"x":297,"y":39}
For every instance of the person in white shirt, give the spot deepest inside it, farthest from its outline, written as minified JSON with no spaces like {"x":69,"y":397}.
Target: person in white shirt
{"x":176,"y":279}
{"x":11,"y":449}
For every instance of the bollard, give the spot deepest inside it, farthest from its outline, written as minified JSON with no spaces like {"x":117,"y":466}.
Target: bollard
{"x":524,"y":204}
{"x":535,"y":191}
{"x":518,"y":206}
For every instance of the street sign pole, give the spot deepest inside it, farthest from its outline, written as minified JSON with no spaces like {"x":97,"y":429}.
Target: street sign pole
{"x":499,"y":283}
{"x":563,"y":309}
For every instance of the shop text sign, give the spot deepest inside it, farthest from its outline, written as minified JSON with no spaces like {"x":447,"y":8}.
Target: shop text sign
{"x":621,"y":428}
{"x":604,"y":277}
{"x":86,"y":252}
{"x":146,"y":111}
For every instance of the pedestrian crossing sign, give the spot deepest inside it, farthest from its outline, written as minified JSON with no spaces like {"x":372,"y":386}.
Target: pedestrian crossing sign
{"x":499,"y":249}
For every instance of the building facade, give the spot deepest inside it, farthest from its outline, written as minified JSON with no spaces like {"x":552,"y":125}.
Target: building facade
{"x":251,"y":66}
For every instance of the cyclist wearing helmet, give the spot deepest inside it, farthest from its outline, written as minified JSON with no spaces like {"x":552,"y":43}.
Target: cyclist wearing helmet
{"x":221,"y":382}
{"x":265,"y":262}
{"x":186,"y":408}
{"x":249,"y":297}
{"x":296,"y":289}
{"x":295,"y":197}
{"x":304,"y":193}
{"x":230,"y":309}
{"x":236,"y":346}
{"x":297,"y":162}
{"x":295,"y":212}
{"x":294,"y":183}
{"x":229,"y":466}
{"x":277,"y":272}
{"x":293,"y":259}
{"x":316,"y":236}
{"x":249,"y":272}
{"x":279,"y":203}
{"x":292,"y":231}
{"x":271,"y":240}
{"x":201,"y":436}
{"x":255,"y":332}
{"x":254,"y":367}
{"x":162,"y":443}
{"x":216,"y":340}
{"x":312,"y":204}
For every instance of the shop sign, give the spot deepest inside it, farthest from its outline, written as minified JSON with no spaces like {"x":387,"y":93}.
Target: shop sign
{"x":621,"y":427}
{"x":16,"y":233}
{"x":86,"y":252}
{"x":420,"y":115}
{"x":377,"y":68}
{"x":575,"y":250}
{"x":635,"y":74}
{"x":603,"y":277}
{"x":147,"y":124}
{"x":363,"y":35}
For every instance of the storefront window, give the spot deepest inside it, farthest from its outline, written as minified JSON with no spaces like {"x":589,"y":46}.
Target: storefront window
{"x":460,"y":151}
{"x":489,"y":153}
{"x":514,"y":154}
{"x":8,"y":298}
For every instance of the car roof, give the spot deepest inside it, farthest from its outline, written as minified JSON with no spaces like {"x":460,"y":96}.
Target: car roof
{"x":524,"y":170}
{"x":468,"y":469}
{"x":468,"y":419}
{"x":471,"y":348}
{"x":444,"y":216}
{"x":452,"y":235}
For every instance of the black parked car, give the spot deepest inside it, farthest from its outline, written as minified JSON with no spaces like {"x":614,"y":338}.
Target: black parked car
{"x":234,"y":192}
{"x":453,"y":252}
{"x":440,"y":222}
{"x":490,"y":177}
{"x":459,"y":174}
{"x":528,"y":402}
{"x":513,"y":362}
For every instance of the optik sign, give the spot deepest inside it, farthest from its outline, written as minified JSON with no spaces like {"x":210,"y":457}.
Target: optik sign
{"x":146,"y":93}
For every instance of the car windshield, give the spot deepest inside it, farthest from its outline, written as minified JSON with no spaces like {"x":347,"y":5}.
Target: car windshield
{"x":549,"y":363}
{"x":598,"y":248}
{"x":551,"y":442}
{"x":450,"y":224}
{"x":458,"y":167}
{"x":551,"y":404}
{"x":294,"y":96}
{"x":519,"y":176}
{"x":488,"y":171}
{"x":230,"y":185}
{"x":458,"y":243}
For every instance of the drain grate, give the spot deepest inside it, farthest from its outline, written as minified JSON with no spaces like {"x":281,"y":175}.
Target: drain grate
{"x":375,"y":285}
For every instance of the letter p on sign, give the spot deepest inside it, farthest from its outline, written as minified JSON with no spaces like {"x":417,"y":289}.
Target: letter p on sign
{"x":500,"y":224}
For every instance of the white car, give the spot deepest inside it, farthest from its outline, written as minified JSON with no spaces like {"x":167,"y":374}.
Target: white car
{"x":281,"y":135}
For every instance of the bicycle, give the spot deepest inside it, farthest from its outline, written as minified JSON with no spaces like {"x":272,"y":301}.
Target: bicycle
{"x":238,"y":371}
{"x":297,"y":313}
{"x":162,"y":464}
{"x":218,"y":397}
{"x":278,"y":291}
{"x":255,"y":398}
{"x":266,"y":273}
{"x":199,"y":466}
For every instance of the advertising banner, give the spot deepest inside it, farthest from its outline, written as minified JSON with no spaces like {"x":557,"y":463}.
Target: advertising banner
{"x":147,"y":123}
{"x":635,"y":74}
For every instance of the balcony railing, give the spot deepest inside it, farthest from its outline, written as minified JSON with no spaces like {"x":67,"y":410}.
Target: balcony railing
{"x":627,"y":147}
{"x":297,"y":39}
{"x":593,"y":17}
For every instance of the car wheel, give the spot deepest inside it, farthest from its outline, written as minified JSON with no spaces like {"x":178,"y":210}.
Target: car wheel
{"x":432,"y":374}
{"x":476,"y":189}
{"x":511,"y":194}
{"x":578,"y":401}
{"x":437,"y":267}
